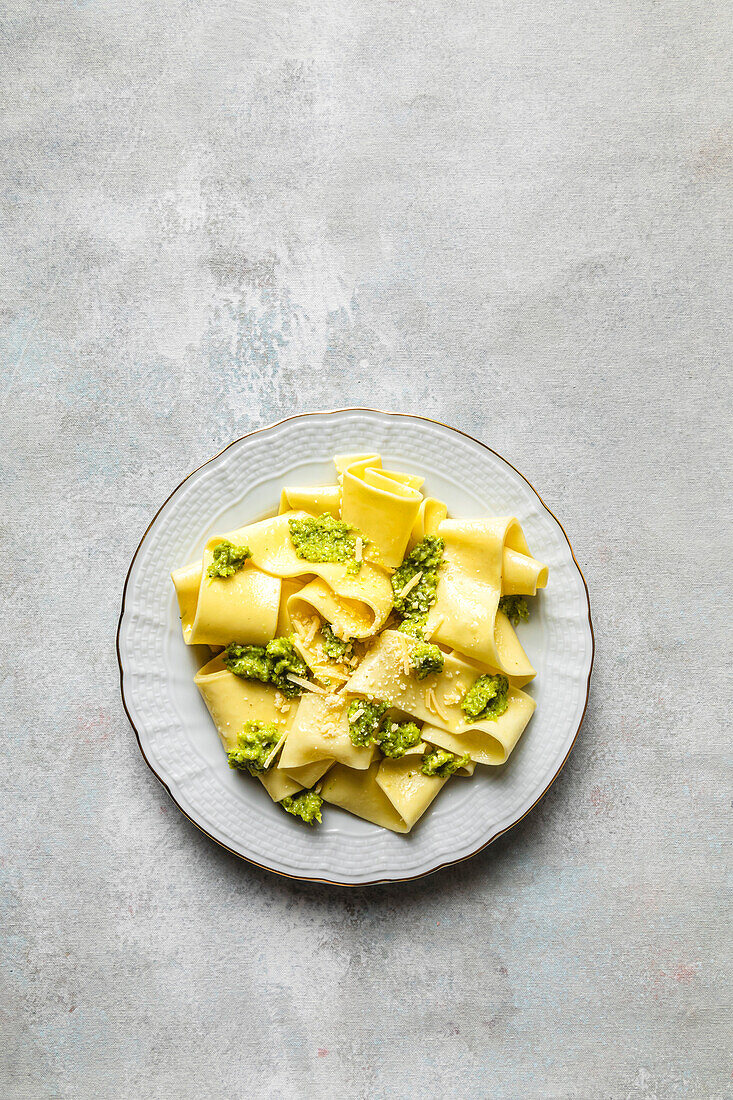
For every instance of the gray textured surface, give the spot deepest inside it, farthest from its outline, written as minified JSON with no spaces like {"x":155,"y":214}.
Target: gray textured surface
{"x":511,"y":217}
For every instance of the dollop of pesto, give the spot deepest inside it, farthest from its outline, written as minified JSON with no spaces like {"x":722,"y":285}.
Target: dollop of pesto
{"x":305,"y":804}
{"x":413,"y":607}
{"x":395,"y":738}
{"x":334,"y":647}
{"x":443,"y":763}
{"x":515,"y":608}
{"x":364,"y":720}
{"x":228,"y":559}
{"x":323,"y":538}
{"x":486,"y":698}
{"x":254,"y":744}
{"x":269,"y":664}
{"x":427,"y":659}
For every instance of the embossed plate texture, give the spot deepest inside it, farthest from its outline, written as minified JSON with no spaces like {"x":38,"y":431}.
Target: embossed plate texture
{"x":176,"y":735}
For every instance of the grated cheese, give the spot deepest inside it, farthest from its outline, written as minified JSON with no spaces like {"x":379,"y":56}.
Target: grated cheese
{"x":315,"y":624}
{"x":428,"y":633}
{"x":276,"y":750}
{"x":358,"y":548}
{"x":297,"y":624}
{"x":409,"y":586}
{"x":357,"y":714}
{"x":433,"y":705}
{"x":299,"y":646}
{"x":306,"y":684}
{"x":281,"y":702}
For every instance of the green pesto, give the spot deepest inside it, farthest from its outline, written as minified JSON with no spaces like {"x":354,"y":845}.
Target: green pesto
{"x":334,"y":647}
{"x":323,"y":538}
{"x":443,"y":763}
{"x":395,"y":738}
{"x":413,"y":626}
{"x":305,"y":804}
{"x":270,"y":664}
{"x":254,"y":744}
{"x":413,"y":608}
{"x":364,"y":729}
{"x":515,"y":608}
{"x":487,"y":698}
{"x":426,"y":659}
{"x":228,"y":559}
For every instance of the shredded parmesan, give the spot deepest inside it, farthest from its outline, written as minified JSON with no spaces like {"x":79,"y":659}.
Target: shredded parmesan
{"x":306,"y":684}
{"x":433,"y":705}
{"x":298,"y":624}
{"x":299,"y":646}
{"x":409,"y":586}
{"x":358,"y":548}
{"x":314,"y":627}
{"x":357,"y":714}
{"x":276,"y":750}
{"x":281,"y":702}
{"x":428,"y":633}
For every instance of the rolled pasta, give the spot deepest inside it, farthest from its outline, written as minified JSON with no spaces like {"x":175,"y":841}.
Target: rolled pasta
{"x":404,"y":784}
{"x":430,"y":515}
{"x":315,"y":501}
{"x":366,"y":596}
{"x":216,"y":610}
{"x":382,"y":504}
{"x":464,"y":615}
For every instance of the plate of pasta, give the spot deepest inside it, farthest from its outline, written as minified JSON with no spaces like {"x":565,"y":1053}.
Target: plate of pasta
{"x":355,"y":646}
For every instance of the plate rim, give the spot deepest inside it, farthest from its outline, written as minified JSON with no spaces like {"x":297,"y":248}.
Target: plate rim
{"x":313,"y":878}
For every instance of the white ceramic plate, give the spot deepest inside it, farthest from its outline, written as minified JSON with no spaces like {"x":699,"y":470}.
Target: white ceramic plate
{"x":176,"y":735}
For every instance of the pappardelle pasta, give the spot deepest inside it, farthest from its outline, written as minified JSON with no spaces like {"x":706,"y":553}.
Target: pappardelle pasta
{"x":365,"y":644}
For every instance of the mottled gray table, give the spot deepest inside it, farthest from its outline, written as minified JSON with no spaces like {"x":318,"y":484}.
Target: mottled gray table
{"x":509,"y":216}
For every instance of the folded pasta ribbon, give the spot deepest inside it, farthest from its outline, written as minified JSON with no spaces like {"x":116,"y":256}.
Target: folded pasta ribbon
{"x":391,"y":793}
{"x":232,"y":702}
{"x":357,"y":604}
{"x":382,"y":504}
{"x":466,"y":613}
{"x":215,"y":610}
{"x":315,"y":501}
{"x":386,"y":673}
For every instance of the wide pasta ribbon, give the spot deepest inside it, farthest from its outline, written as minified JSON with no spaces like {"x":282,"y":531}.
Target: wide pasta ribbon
{"x":218,"y":610}
{"x":386,"y":673}
{"x":382,"y":504}
{"x":430,"y":515}
{"x":315,"y":501}
{"x":391,"y":793}
{"x":357,"y":604}
{"x":466,"y":613}
{"x":320,"y":730}
{"x":232,"y":702}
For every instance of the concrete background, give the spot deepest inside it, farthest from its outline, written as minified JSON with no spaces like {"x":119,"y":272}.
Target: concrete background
{"x":510,"y":216}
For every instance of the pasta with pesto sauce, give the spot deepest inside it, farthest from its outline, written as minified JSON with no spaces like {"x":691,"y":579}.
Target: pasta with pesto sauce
{"x":365,"y":649}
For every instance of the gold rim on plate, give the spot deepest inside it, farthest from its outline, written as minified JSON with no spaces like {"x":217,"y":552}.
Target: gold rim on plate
{"x":379,"y":881}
